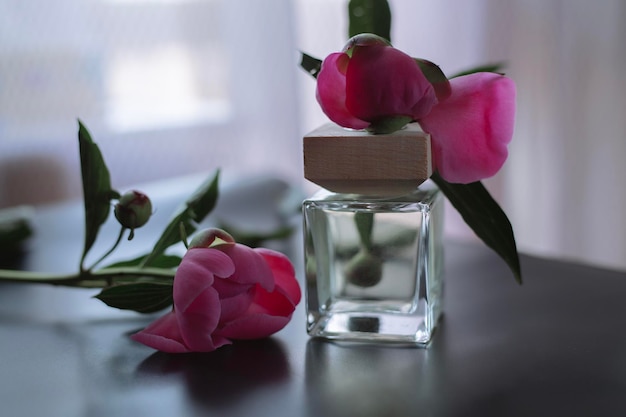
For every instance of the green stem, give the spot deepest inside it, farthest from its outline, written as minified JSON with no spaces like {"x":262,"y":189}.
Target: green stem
{"x":87,"y":279}
{"x":159,"y":273}
{"x":117,"y":242}
{"x":36,"y":277}
{"x":365,"y":224}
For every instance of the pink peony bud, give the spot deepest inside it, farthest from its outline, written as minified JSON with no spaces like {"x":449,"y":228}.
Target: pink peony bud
{"x":371,"y":82}
{"x":133,"y":210}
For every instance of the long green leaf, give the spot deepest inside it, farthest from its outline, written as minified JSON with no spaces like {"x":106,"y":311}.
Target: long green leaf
{"x":311,"y":64}
{"x":436,"y":77}
{"x":365,"y":16}
{"x":97,"y":191}
{"x":496,"y":67}
{"x":192,"y":212}
{"x":163,"y":262}
{"x":143,"y":297}
{"x":369,"y":16}
{"x":485,"y":217}
{"x":256,"y":239}
{"x":204,"y":199}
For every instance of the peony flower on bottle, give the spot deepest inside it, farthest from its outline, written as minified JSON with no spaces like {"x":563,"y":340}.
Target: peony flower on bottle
{"x":224,"y":291}
{"x":470,"y":130}
{"x":371,"y":85}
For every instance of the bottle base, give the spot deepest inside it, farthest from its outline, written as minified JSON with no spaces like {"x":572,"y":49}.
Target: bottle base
{"x":377,"y":323}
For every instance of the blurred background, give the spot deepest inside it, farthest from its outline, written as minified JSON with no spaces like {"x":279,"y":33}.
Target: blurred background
{"x":173,"y":88}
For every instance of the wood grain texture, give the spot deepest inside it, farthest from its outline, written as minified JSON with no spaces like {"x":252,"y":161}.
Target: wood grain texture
{"x":359,"y":162}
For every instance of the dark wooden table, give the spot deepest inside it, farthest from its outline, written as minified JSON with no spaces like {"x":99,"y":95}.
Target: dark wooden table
{"x":555,"y":346}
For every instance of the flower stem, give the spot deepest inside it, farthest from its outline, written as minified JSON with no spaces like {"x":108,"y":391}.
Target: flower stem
{"x":88,"y":279}
{"x":134,"y":272}
{"x":110,"y":251}
{"x":7,"y":275}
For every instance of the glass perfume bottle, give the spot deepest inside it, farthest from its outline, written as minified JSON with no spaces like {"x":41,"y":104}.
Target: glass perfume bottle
{"x":372,"y":236}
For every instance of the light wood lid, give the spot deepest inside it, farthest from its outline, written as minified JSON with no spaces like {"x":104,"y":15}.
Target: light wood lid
{"x":358,"y":162}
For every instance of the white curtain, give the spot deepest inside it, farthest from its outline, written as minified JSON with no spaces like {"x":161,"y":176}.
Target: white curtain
{"x":562,"y":186}
{"x":564,"y":183}
{"x":166,"y":87}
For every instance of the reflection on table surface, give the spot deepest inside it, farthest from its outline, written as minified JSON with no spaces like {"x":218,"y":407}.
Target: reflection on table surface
{"x":552,"y":346}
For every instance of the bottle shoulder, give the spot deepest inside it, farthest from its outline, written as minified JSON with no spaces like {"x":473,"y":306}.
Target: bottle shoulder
{"x":426,"y":193}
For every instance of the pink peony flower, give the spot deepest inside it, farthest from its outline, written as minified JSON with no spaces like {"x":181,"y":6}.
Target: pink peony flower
{"x":370,"y":81}
{"x":223,"y":292}
{"x":470,"y":130}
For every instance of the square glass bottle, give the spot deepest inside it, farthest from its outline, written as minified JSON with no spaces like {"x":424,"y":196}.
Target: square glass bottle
{"x":373,"y":259}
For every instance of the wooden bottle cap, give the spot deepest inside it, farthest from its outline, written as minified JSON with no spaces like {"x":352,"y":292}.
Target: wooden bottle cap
{"x":358,"y":162}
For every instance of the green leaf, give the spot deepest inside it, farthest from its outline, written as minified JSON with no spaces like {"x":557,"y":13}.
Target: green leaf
{"x":192,"y":212}
{"x":496,"y":67}
{"x":436,"y":77}
{"x":369,"y":16}
{"x":254,"y":239}
{"x":203,"y":200}
{"x":15,"y":226}
{"x":97,"y":191}
{"x":143,"y":297}
{"x":163,"y":262}
{"x":310,"y":64}
{"x":485,"y":217}
{"x":365,"y":16}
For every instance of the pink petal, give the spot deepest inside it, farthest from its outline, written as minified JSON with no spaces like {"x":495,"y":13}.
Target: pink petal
{"x":227,"y":288}
{"x":284,"y":273}
{"x":470,"y":131}
{"x":383,"y":81}
{"x":210,"y":259}
{"x":162,"y":334}
{"x":195,"y":274}
{"x":198,"y":322}
{"x":235,"y":306}
{"x":276,"y":303}
{"x":254,"y":326}
{"x":331,"y":91}
{"x":268,"y":313}
{"x":250,"y":267}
